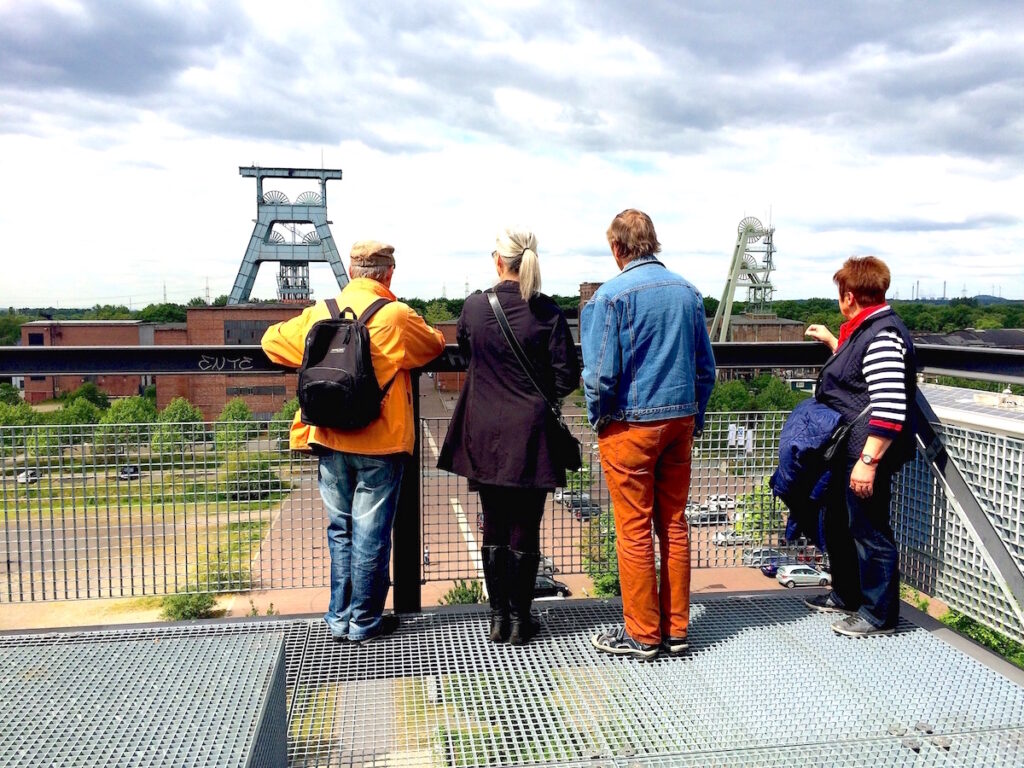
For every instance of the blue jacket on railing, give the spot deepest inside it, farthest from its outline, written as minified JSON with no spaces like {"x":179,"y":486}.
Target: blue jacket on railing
{"x":802,"y":476}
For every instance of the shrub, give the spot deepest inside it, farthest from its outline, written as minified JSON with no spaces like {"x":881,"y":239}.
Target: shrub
{"x":253,"y":480}
{"x":188,"y":606}
{"x":180,"y":425}
{"x":233,"y":425}
{"x":90,"y":392}
{"x":9,"y":394}
{"x":464,"y":593}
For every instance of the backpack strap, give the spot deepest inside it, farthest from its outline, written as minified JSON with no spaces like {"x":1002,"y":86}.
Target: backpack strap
{"x":364,"y":318}
{"x":332,"y":307}
{"x":371,"y":310}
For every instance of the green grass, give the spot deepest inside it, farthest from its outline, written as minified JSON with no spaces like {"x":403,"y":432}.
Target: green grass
{"x":996,"y":642}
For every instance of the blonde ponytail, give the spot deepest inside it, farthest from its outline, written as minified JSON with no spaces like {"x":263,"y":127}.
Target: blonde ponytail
{"x":517,"y":248}
{"x":529,"y":274}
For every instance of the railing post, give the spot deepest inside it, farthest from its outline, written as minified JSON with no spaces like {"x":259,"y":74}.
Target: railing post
{"x":406,"y":538}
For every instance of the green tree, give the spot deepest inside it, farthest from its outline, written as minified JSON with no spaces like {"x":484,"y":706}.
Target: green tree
{"x":9,"y":394}
{"x":282,"y":422}
{"x":179,"y":426}
{"x":14,"y":420}
{"x":162,"y":313}
{"x":777,"y":396}
{"x":730,"y":396}
{"x":196,"y":301}
{"x":233,"y":425}
{"x":126,"y":423}
{"x":10,"y":327}
{"x":221,"y":301}
{"x":89,"y":391}
{"x":287,"y":412}
{"x":437,"y":312}
{"x":108,"y":312}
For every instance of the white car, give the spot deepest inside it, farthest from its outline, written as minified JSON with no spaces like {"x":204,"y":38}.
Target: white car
{"x":725,"y":538}
{"x":722,"y":501}
{"x":28,"y":476}
{"x":791,"y":576}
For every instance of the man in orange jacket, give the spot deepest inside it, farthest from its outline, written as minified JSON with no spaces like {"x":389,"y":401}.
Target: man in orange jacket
{"x":360,"y":470}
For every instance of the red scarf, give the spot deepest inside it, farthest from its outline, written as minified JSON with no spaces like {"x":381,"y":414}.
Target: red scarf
{"x":846,"y":329}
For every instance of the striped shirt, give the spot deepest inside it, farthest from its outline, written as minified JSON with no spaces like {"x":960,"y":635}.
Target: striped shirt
{"x":884,"y":369}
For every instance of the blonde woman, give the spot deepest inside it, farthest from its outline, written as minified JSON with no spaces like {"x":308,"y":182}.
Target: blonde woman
{"x":501,"y":432}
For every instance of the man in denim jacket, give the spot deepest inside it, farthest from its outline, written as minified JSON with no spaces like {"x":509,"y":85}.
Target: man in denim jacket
{"x":648,"y":371}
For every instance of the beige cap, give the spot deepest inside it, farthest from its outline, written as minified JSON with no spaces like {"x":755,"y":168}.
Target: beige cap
{"x":370,"y":253}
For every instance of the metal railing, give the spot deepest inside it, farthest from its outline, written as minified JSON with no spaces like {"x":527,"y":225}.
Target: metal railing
{"x":101,"y":511}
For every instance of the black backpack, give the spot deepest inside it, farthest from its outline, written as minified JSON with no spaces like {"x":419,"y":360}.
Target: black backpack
{"x":337,"y":385}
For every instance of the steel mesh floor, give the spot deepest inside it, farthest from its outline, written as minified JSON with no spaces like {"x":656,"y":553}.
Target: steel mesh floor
{"x":168,"y":701}
{"x":765,"y":683}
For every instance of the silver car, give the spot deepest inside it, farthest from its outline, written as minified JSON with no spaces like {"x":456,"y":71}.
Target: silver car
{"x":791,"y":576}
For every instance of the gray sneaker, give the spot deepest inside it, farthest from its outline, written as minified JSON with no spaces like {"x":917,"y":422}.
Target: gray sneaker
{"x":618,"y":642}
{"x":674,"y":646}
{"x":857,"y":626}
{"x":826,"y":604}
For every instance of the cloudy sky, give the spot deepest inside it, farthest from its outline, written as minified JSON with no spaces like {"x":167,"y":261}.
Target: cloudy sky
{"x":863,"y":127}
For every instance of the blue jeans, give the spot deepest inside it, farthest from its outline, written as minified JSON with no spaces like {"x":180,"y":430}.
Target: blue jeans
{"x":862,"y":548}
{"x":360,"y":494}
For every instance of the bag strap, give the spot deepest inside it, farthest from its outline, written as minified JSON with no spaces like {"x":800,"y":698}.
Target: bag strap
{"x":332,"y":307}
{"x":506,"y":331}
{"x":369,"y":312}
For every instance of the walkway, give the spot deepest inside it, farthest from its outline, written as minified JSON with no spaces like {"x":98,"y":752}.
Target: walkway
{"x":766,"y":683}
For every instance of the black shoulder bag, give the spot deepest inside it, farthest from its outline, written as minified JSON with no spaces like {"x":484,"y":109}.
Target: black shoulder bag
{"x":567,"y":448}
{"x":837,"y":440}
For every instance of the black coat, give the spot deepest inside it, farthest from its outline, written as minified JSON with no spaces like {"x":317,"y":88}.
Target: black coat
{"x":501,"y":432}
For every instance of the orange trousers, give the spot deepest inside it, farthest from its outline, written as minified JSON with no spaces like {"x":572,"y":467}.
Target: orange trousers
{"x":647,"y":470}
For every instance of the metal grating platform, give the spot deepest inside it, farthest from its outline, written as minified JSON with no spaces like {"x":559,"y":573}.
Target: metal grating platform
{"x":163,"y":701}
{"x":765,"y":683}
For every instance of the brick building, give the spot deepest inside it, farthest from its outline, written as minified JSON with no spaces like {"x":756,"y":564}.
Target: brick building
{"x":448,"y":382}
{"x":89,"y":333}
{"x":234,"y":324}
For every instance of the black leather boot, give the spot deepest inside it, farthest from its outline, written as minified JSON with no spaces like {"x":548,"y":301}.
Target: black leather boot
{"x":495,"y":562}
{"x":523,"y":579}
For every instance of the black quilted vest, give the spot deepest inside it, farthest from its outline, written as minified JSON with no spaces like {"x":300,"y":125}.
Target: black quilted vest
{"x":842,"y":386}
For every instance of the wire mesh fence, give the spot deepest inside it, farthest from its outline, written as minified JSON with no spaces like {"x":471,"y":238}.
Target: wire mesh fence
{"x":938,"y":554}
{"x":152,"y":509}
{"x":734,"y":519}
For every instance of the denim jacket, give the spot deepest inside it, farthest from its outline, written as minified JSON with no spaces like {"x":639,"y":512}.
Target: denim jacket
{"x":646,"y":351}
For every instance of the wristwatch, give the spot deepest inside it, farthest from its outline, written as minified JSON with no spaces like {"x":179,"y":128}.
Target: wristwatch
{"x":868,"y":459}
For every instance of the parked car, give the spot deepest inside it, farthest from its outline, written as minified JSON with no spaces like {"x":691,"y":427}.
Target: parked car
{"x":546,"y":566}
{"x":732,"y":536}
{"x":722,"y":501}
{"x":584,"y":512}
{"x":763,"y":555}
{"x":708,"y":517}
{"x":564,"y":495}
{"x":802,"y":575}
{"x":545,"y":586}
{"x":128,"y":472}
{"x":576,"y":499}
{"x":770,"y":568}
{"x":28,"y":476}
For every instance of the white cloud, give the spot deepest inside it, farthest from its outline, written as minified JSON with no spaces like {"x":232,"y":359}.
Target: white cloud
{"x":850,"y":133}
